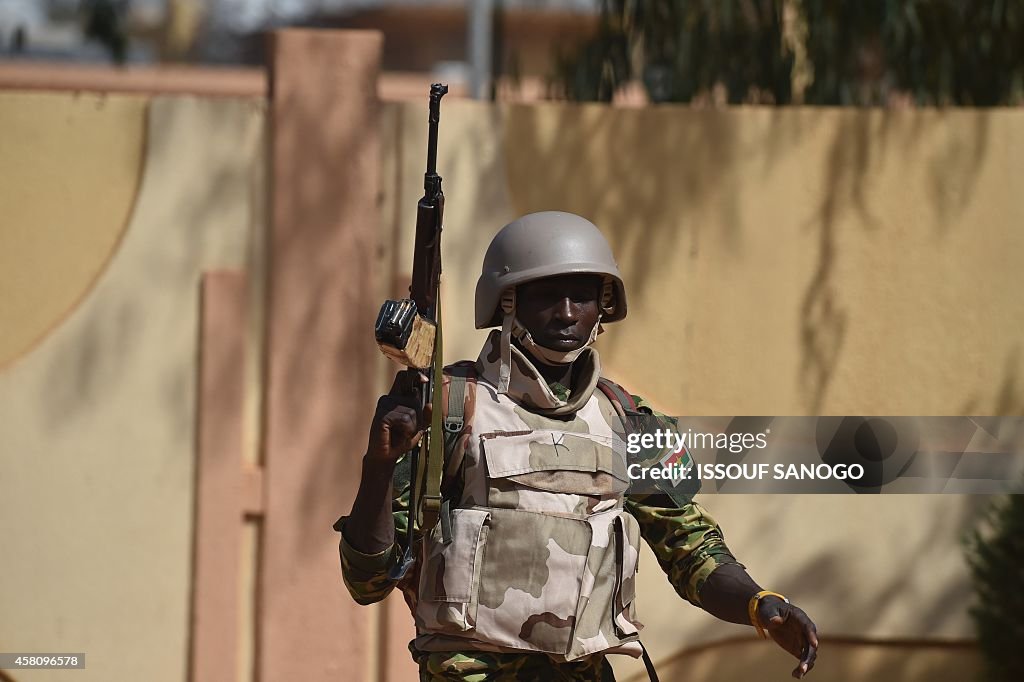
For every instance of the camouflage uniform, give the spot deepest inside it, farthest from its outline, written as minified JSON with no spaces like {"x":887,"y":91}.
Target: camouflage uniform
{"x":518,"y":496}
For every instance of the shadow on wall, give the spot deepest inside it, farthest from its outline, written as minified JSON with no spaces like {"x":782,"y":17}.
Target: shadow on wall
{"x":875,"y":622}
{"x":319,"y":330}
{"x":1007,"y":399}
{"x":825,"y":574}
{"x":840,"y":660}
{"x":107,"y":402}
{"x":859,"y":145}
{"x":480,"y":218}
{"x":665,"y":177}
{"x":638,"y":169}
{"x":147,"y":299}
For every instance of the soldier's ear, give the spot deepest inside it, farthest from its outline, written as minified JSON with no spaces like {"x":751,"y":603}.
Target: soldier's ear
{"x":607,"y":296}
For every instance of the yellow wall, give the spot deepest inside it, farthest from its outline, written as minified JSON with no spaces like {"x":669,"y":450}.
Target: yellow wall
{"x":796,"y":261}
{"x":97,"y":422}
{"x":69,"y":170}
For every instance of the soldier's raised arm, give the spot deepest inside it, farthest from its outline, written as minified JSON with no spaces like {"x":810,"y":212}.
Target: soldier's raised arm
{"x":368,"y":543}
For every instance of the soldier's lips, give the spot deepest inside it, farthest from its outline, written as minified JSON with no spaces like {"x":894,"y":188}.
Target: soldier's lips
{"x":562,"y":342}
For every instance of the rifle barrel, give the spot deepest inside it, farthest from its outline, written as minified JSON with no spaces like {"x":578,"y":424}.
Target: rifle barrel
{"x":432,"y":183}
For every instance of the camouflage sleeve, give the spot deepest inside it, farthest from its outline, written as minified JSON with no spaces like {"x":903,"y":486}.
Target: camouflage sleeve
{"x":687,"y":541}
{"x":366,"y":575}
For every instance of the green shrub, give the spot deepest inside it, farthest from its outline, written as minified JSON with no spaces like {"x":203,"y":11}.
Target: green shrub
{"x":995,"y":553}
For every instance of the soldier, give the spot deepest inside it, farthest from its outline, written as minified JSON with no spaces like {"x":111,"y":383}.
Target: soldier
{"x":532,"y":575}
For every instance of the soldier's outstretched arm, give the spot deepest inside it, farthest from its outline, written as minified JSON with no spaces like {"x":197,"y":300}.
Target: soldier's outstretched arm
{"x":368,"y":534}
{"x":729,"y":593}
{"x":686,"y":540}
{"x":688,"y":544}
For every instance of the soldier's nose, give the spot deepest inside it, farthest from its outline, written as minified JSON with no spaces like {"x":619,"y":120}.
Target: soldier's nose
{"x":566,"y":311}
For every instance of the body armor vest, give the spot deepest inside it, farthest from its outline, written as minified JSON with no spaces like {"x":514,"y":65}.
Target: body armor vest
{"x":542,"y":557}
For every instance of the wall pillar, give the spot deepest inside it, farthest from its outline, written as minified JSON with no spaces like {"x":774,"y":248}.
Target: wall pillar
{"x":321,"y":374}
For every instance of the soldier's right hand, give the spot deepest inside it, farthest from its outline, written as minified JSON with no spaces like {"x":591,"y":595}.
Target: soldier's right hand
{"x":397,"y":423}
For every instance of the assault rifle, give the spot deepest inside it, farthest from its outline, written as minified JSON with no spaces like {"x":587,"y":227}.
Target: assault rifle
{"x":409,"y":332}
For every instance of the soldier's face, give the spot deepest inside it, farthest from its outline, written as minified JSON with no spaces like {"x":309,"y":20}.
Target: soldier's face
{"x":560,"y":312}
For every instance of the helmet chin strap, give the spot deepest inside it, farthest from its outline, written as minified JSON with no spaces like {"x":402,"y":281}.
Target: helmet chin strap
{"x":549,"y":356}
{"x":510,"y":327}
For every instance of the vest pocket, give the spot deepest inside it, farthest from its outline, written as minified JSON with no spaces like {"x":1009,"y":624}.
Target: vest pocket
{"x":449,"y":580}
{"x":605,"y":617}
{"x":627,"y":559}
{"x":547,"y":461}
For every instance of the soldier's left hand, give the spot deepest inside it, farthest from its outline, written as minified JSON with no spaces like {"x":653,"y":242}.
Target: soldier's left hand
{"x":792,"y":629}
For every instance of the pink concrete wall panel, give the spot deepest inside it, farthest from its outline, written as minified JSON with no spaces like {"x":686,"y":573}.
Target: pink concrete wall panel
{"x":322,"y":364}
{"x":190,"y":80}
{"x":220,"y":484}
{"x":396,"y":665}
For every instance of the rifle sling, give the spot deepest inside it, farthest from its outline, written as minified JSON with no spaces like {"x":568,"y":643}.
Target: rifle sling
{"x":435,"y":451}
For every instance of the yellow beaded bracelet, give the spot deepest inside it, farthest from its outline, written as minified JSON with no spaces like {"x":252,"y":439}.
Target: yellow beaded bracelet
{"x":752,"y":610}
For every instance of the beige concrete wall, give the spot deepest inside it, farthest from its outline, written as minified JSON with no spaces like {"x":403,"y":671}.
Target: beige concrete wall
{"x":794,"y":261}
{"x":97,"y":422}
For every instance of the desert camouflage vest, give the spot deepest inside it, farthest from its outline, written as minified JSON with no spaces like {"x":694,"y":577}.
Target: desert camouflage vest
{"x":542,"y":557}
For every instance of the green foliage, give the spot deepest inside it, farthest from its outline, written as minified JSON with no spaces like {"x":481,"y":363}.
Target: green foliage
{"x":857,"y":53}
{"x":996,"y":557}
{"x":938,"y":51}
{"x":103,"y":22}
{"x":594,"y":69}
{"x":681,"y":49}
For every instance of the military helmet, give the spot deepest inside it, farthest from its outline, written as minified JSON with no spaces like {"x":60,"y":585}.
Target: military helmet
{"x":542,"y":245}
